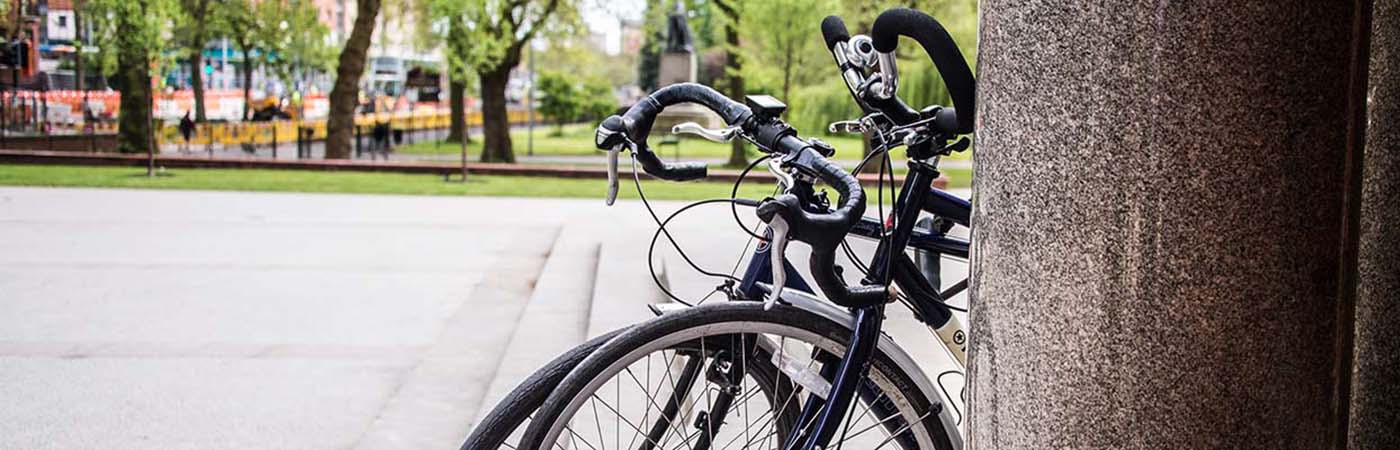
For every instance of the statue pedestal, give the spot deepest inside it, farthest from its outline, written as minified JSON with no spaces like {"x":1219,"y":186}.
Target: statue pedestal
{"x":679,"y":67}
{"x":676,"y":67}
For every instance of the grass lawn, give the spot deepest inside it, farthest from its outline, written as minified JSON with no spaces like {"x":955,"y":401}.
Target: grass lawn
{"x":369,"y":183}
{"x":577,"y":139}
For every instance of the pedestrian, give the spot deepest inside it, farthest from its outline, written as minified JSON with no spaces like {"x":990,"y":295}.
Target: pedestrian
{"x":381,"y":139}
{"x":186,"y":131}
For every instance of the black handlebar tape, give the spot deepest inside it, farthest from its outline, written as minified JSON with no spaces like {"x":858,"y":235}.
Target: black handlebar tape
{"x":638,"y":120}
{"x":893,"y":108}
{"x":731,"y":111}
{"x":824,"y":231}
{"x":940,"y":47}
{"x":670,"y":171}
{"x":834,"y":31}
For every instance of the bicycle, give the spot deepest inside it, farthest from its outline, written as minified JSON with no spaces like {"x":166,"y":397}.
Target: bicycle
{"x":807,"y":359}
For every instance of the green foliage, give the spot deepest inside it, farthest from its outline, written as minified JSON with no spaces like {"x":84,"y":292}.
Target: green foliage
{"x":499,"y":30}
{"x":285,"y":36}
{"x":813,"y":107}
{"x":138,"y":26}
{"x":598,"y":100}
{"x":573,"y":55}
{"x":237,"y":20}
{"x":786,"y":36}
{"x":558,"y":98}
{"x":292,"y":37}
{"x":562,"y":99}
{"x":191,"y":25}
{"x":446,"y":23}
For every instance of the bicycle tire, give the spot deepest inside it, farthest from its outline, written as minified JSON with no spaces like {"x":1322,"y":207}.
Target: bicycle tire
{"x":496,"y":428}
{"x":729,"y":318}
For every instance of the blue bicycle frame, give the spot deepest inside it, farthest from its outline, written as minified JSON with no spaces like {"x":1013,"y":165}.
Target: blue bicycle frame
{"x":889,"y":263}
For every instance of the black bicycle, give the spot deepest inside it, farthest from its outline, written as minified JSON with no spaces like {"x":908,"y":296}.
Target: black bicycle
{"x":779,"y":367}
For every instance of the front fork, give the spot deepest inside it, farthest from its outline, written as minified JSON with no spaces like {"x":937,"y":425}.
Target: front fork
{"x":828,"y":414}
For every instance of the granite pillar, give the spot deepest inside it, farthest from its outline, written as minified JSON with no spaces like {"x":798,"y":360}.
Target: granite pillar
{"x":1159,"y":218}
{"x":1375,"y":401}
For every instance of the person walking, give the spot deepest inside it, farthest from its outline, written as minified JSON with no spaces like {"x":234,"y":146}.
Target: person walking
{"x":186,"y":131}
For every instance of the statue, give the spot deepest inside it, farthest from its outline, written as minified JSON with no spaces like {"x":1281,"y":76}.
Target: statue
{"x":678,"y":31}
{"x":678,"y":65}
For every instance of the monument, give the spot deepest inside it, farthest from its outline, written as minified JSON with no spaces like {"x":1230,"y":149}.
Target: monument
{"x":678,"y":65}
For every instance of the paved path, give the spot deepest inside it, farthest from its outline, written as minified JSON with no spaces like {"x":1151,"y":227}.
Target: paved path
{"x":170,"y":319}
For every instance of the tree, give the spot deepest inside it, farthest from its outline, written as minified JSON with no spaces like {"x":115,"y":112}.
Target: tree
{"x":597,"y":100}
{"x":193,"y":26}
{"x":292,"y":38}
{"x":787,"y":34}
{"x":558,"y":99}
{"x":447,"y":25}
{"x":237,"y":20}
{"x":499,"y":30}
{"x":134,"y":32}
{"x":345,"y":95}
{"x":733,"y":71}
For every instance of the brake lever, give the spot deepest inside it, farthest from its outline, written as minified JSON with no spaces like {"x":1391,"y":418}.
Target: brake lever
{"x":777,"y":248}
{"x":846,"y":126}
{"x":785,"y":180}
{"x":612,"y":174}
{"x":721,"y":135}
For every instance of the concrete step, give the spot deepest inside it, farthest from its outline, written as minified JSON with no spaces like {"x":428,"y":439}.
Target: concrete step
{"x":442,"y":393}
{"x":556,"y":317}
{"x":623,"y":287}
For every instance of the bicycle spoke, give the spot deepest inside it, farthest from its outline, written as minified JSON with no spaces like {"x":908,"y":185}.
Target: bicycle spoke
{"x":686,"y":416}
{"x":872,"y":426}
{"x":597,"y":420}
{"x":901,"y":430}
{"x":628,"y":422}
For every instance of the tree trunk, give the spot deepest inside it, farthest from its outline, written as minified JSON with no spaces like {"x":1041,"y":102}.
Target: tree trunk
{"x":247,"y":86}
{"x":345,"y":95}
{"x":197,"y":79}
{"x":457,"y":100}
{"x":495,"y":122}
{"x":78,"y":60}
{"x":732,"y":68}
{"x":201,"y":15}
{"x":133,"y":128}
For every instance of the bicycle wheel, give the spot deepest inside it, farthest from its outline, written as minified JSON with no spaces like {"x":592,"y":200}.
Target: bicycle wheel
{"x":501,"y":428}
{"x":726,"y":403}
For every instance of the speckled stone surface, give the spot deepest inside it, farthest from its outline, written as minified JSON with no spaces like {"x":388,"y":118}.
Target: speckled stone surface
{"x":1375,"y":413}
{"x":1158,"y":207}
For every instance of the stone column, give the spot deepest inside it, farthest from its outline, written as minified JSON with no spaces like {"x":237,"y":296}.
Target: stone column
{"x":1159,"y":209}
{"x":1375,"y":403}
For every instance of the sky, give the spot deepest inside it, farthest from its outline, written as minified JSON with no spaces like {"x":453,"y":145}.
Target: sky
{"x":602,"y":16}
